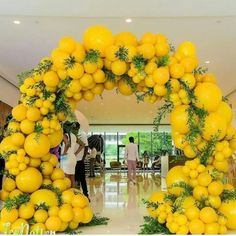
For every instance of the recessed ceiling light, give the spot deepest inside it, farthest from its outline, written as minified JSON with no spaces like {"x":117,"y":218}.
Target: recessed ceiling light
{"x":17,"y":22}
{"x":207,"y":62}
{"x":128,"y":20}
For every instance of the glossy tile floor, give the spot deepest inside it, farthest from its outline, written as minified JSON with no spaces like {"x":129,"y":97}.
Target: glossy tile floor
{"x":112,"y":197}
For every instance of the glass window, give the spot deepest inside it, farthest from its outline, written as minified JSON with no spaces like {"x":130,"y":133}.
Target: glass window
{"x":125,"y":139}
{"x":161,"y":141}
{"x":110,"y":148}
{"x":145,"y":143}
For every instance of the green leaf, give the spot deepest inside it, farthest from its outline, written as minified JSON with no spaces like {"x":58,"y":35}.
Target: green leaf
{"x":64,"y":84}
{"x":139,"y":63}
{"x":228,"y":195}
{"x":200,"y":70}
{"x":190,"y":92}
{"x":92,"y":56}
{"x":188,"y":190}
{"x":31,"y":100}
{"x":141,"y":95}
{"x":16,"y":202}
{"x":161,"y":113}
{"x":163,"y":61}
{"x":129,"y":82}
{"x":97,"y":220}
{"x":70,"y":62}
{"x":208,"y":150}
{"x":61,"y":105}
{"x":42,"y":206}
{"x":149,"y":204}
{"x":122,"y":53}
{"x":109,"y":75}
{"x":152,"y":226}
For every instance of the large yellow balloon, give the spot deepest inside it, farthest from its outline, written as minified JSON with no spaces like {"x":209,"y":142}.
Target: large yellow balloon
{"x":98,"y":37}
{"x":174,"y":176}
{"x":228,"y":209}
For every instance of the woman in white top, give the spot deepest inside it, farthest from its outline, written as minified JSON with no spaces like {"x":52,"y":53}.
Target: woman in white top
{"x":68,"y":150}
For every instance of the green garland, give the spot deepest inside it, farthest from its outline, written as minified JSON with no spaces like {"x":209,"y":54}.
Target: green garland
{"x":152,"y":226}
{"x":17,"y":201}
{"x":161,"y":113}
{"x":122,"y":53}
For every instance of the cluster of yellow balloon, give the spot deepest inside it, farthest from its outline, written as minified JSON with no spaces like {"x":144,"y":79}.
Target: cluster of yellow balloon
{"x":198,"y":199}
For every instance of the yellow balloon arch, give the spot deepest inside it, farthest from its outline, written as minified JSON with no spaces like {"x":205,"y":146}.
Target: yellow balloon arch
{"x":198,"y":199}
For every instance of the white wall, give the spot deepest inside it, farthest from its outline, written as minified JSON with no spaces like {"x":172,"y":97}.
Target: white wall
{"x":8,"y":93}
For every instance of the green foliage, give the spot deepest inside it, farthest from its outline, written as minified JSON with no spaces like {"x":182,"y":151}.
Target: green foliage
{"x":161,"y":113}
{"x":70,"y":62}
{"x":128,"y":80}
{"x":169,"y":197}
{"x":150,"y":204}
{"x":109,"y":75}
{"x":163,"y":61}
{"x":16,"y":202}
{"x":92,"y":56}
{"x":42,"y":206}
{"x":178,"y":158}
{"x":38,"y":129}
{"x":5,"y":154}
{"x":141,"y":95}
{"x":23,"y":75}
{"x":152,"y":226}
{"x":64,"y":84}
{"x":228,"y":195}
{"x":97,"y":220}
{"x":200,"y":70}
{"x":122,"y":53}
{"x":196,"y":121}
{"x":161,"y":141}
{"x":139,"y":63}
{"x":169,"y":90}
{"x":7,"y":174}
{"x":188,"y":190}
{"x":61,"y":105}
{"x":41,"y":68}
{"x":208,"y":150}
{"x":201,"y":203}
{"x":190,"y":92}
{"x":31,"y":100}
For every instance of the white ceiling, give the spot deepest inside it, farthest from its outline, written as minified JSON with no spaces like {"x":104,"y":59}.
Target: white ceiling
{"x":210,"y":24}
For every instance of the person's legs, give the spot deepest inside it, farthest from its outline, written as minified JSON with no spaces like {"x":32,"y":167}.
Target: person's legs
{"x":72,"y":179}
{"x":77,"y":179}
{"x":81,"y":176}
{"x":134,"y":171}
{"x":129,"y":170}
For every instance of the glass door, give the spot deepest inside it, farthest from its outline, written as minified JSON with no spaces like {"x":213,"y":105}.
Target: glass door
{"x":121,"y":153}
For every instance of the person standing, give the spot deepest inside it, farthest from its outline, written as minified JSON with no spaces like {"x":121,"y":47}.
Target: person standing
{"x":132,"y":156}
{"x":69,"y":148}
{"x":80,"y":167}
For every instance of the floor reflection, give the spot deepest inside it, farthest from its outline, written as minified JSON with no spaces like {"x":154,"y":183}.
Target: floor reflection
{"x":113,"y":197}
